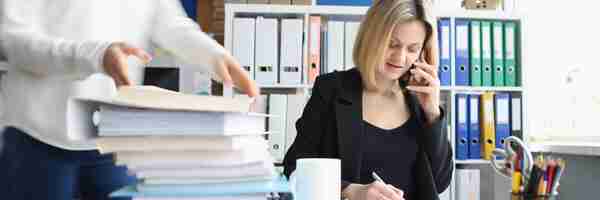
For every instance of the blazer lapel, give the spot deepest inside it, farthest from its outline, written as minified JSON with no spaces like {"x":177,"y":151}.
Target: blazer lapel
{"x":348,"y":108}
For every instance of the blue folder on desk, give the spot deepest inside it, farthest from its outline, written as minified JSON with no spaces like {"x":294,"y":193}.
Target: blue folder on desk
{"x":203,"y":190}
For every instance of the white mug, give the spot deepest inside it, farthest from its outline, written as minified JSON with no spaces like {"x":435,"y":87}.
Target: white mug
{"x":316,"y":179}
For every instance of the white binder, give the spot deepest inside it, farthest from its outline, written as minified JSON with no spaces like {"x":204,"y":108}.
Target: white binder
{"x":267,"y":44}
{"x":350,"y":31}
{"x":335,"y":46}
{"x":243,"y":43}
{"x":290,"y":69}
{"x":295,"y":106}
{"x":468,"y":183}
{"x":277,"y":126}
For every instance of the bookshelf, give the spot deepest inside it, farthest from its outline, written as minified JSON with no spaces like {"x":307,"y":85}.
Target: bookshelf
{"x":448,"y":93}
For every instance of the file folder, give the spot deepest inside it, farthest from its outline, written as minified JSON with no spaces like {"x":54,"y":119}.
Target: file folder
{"x":502,"y":110}
{"x":445,"y":75}
{"x":498,"y":56}
{"x":510,"y":50}
{"x":475,"y":52}
{"x":243,"y":43}
{"x":488,"y":132}
{"x":335,"y":46}
{"x":486,"y":53}
{"x":314,"y":48}
{"x":266,"y":51}
{"x":277,"y":124}
{"x":516,"y":114}
{"x":474,"y":130}
{"x":290,"y":68}
{"x":296,"y":103}
{"x":345,"y":2}
{"x":462,"y":127}
{"x":351,"y":31}
{"x":468,"y":184}
{"x":462,"y":52}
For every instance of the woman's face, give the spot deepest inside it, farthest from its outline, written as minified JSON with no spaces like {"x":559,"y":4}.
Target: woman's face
{"x":403,"y":50}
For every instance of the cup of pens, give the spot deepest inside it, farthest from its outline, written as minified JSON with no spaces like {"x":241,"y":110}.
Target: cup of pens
{"x":531,"y":180}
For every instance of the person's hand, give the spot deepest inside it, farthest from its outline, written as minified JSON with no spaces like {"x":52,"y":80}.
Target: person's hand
{"x":232,"y":73}
{"x":373,"y":191}
{"x":114,"y":62}
{"x":426,"y":84}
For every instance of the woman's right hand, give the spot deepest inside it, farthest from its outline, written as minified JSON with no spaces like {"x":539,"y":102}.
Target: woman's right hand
{"x":373,"y":191}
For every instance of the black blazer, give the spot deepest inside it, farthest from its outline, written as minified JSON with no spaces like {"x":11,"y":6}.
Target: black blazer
{"x":331,"y":127}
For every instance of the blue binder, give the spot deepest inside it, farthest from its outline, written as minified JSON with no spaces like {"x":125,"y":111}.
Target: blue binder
{"x":474,"y":130}
{"x":345,"y":2}
{"x":502,"y":118}
{"x":190,"y":7}
{"x":462,"y":127}
{"x":462,"y":67}
{"x":444,"y":74}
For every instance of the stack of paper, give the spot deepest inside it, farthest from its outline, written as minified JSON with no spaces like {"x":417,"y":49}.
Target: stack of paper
{"x":187,"y":146}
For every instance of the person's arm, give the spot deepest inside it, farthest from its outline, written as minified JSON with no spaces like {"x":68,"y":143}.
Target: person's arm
{"x":438,"y":149}
{"x":179,"y":34}
{"x":30,"y":50}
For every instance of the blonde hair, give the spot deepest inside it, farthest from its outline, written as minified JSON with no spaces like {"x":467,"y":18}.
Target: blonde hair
{"x":376,"y":30}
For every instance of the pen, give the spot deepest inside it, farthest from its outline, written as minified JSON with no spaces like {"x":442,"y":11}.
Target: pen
{"x":377,"y":178}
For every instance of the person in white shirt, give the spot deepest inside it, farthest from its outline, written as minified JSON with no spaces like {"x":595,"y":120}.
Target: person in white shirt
{"x":60,"y":49}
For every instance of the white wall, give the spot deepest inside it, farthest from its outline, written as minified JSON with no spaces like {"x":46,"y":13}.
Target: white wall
{"x":557,"y":37}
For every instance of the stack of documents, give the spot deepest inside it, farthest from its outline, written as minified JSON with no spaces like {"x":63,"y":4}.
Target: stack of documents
{"x":187,"y":146}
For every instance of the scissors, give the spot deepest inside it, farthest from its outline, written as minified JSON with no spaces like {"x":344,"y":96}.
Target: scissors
{"x":508,"y":153}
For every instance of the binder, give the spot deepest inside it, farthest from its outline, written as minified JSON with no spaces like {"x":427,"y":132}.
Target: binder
{"x":462,"y":52}
{"x":314,"y":48}
{"x":345,"y":2}
{"x":474,"y":130}
{"x":290,"y":69}
{"x":335,"y":46}
{"x":475,"y":52}
{"x":277,"y":124}
{"x":445,"y":75}
{"x":243,"y":43}
{"x":295,"y":104}
{"x":516,"y":113}
{"x":469,"y":183}
{"x":351,"y":31}
{"x":266,"y":51}
{"x":488,"y":133}
{"x":462,"y":127}
{"x":510,"y":50}
{"x":498,"y":56}
{"x":486,"y":54}
{"x":502,"y":110}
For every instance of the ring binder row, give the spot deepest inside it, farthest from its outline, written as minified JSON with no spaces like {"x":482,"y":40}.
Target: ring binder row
{"x":484,"y":120}
{"x":271,"y":49}
{"x":484,"y":53}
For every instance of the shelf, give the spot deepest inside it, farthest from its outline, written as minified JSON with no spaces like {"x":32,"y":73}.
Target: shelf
{"x":472,"y":162}
{"x":284,"y":86}
{"x":591,"y":148}
{"x":296,"y":9}
{"x":478,"y":14}
{"x":483,"y":89}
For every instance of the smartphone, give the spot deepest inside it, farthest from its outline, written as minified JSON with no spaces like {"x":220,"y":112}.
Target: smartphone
{"x":405,"y":78}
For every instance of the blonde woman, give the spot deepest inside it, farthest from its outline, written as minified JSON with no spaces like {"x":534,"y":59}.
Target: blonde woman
{"x":385,"y":115}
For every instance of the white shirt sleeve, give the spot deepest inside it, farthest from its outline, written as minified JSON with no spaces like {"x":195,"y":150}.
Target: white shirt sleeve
{"x":179,"y":34}
{"x":27,"y":48}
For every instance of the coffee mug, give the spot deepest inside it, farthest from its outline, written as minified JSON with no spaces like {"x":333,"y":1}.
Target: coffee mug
{"x":316,"y":179}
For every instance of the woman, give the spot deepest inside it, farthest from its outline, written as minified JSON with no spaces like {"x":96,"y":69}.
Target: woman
{"x":384,"y":116}
{"x":53,"y":48}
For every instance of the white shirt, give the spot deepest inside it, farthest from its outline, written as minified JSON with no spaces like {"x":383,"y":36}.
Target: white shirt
{"x":55,"y":50}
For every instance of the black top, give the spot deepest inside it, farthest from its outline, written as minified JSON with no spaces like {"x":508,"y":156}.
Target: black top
{"x":331,"y":126}
{"x":391,"y":154}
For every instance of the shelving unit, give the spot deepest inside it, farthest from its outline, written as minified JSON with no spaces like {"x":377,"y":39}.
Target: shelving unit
{"x":448,"y":92}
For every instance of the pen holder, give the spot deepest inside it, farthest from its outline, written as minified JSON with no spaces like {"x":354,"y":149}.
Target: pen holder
{"x":524,"y":196}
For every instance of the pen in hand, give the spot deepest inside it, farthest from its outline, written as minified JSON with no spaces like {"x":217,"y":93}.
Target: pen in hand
{"x":377,"y":178}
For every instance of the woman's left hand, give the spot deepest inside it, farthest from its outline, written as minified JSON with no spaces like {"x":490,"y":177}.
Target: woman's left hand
{"x":426,"y":84}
